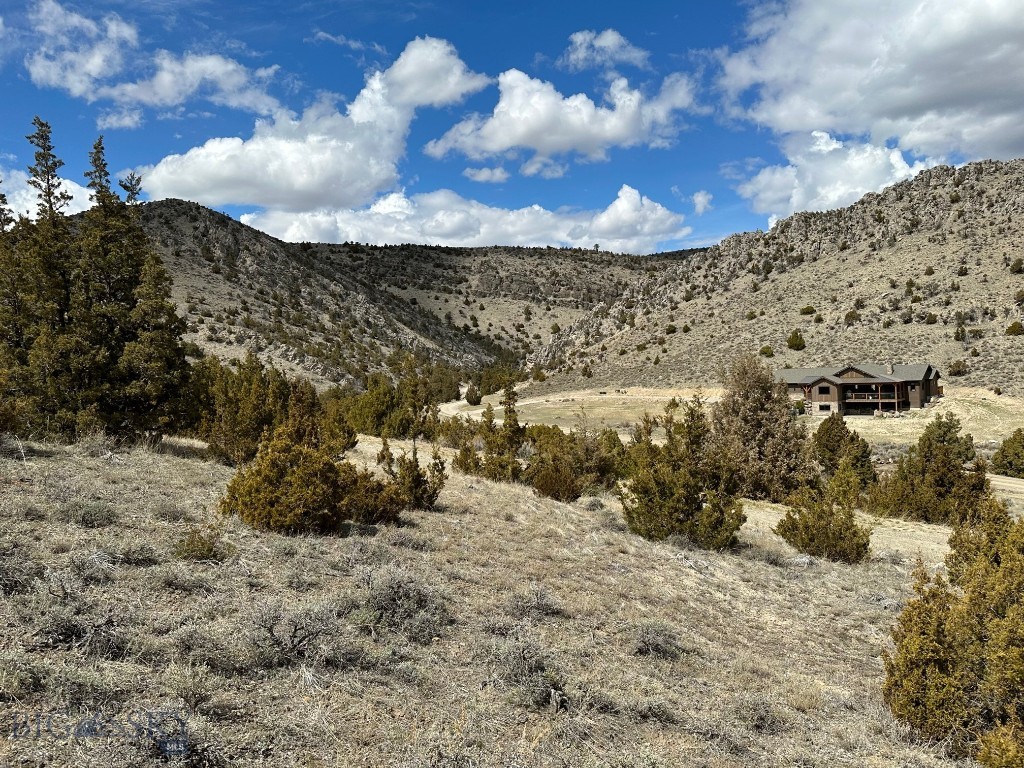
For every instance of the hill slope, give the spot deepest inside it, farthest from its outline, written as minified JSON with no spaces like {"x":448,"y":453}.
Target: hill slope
{"x":888,"y":278}
{"x":336,"y":312}
{"x":502,"y":630}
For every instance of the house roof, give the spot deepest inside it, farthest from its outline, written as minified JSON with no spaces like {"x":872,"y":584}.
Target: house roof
{"x":872,"y":372}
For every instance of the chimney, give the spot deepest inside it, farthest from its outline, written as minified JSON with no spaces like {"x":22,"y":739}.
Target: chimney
{"x":888,"y":368}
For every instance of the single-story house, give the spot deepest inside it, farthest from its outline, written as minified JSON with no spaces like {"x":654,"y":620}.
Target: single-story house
{"x":864,"y":388}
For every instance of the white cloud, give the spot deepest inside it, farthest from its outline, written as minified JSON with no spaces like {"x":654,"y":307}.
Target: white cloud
{"x":347,"y":42}
{"x":178,"y":79}
{"x":81,"y":56}
{"x":937,"y":77}
{"x":23,"y":199}
{"x":702,"y":202}
{"x":324,"y":158}
{"x":486,"y":175}
{"x":588,"y":49}
{"x":124,"y":117}
{"x":823,"y":173}
{"x":76,"y":52}
{"x":531,"y":114}
{"x":631,"y":223}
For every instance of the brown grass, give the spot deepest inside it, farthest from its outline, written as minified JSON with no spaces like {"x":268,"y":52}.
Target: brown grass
{"x":503,"y":629}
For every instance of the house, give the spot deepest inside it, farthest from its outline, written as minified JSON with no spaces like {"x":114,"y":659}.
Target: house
{"x":864,"y":388}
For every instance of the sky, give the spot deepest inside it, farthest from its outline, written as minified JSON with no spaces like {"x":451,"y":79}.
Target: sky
{"x":640,"y":128}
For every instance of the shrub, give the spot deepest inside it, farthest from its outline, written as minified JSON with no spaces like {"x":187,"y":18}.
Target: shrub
{"x":851,"y":317}
{"x":1015,"y":329}
{"x":824,"y":526}
{"x":473,"y":396}
{"x":958,"y":368}
{"x":808,"y":310}
{"x":1017,"y":267}
{"x":203,"y":544}
{"x":679,"y":488}
{"x":930,"y":483}
{"x":292,"y":488}
{"x":954,"y":670}
{"x":1009,"y":457}
{"x":767,"y":351}
{"x":796,"y":341}
{"x":833,"y":441}
{"x":420,"y":488}
{"x":399,"y":601}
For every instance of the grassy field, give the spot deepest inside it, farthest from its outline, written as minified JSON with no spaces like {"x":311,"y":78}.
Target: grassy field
{"x":501,"y":630}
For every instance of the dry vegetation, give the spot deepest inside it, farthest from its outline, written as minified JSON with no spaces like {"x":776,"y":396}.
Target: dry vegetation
{"x":502,"y":629}
{"x":840,"y":278}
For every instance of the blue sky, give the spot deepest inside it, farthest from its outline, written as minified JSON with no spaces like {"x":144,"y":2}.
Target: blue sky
{"x":642,"y":127}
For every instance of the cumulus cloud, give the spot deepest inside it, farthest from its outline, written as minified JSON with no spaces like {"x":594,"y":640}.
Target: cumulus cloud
{"x":531,"y":114}
{"x":589,"y":49}
{"x":824,"y":173}
{"x":486,"y":175}
{"x":702,"y":202}
{"x":935,"y":77}
{"x":631,"y":223}
{"x":77,"y":52}
{"x":178,"y":78}
{"x":82,"y":57}
{"x":23,"y":198}
{"x":324,"y":158}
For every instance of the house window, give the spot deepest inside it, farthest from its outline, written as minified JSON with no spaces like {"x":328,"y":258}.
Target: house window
{"x":825,"y":406}
{"x":824,"y":390}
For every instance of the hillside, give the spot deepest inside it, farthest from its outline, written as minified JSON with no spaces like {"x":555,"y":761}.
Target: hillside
{"x":335,"y":312}
{"x":888,"y":278}
{"x":501,"y":630}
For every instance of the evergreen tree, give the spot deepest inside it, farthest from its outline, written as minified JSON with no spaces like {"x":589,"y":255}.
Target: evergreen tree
{"x":833,"y":441}
{"x":1009,"y":457}
{"x":931,"y":483}
{"x":757,"y":434}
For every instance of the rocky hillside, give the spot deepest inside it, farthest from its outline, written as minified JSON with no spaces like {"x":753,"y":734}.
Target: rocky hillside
{"x":927,"y":270}
{"x":334,"y":312}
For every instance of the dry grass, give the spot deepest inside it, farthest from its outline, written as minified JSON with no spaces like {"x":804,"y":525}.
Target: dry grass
{"x":503,"y":629}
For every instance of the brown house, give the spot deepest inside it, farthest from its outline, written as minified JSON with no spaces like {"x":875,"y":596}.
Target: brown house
{"x":862,"y":389}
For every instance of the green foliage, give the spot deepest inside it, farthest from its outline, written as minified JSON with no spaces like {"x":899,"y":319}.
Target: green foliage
{"x":808,"y":310}
{"x":955,"y":668}
{"x":757,"y":435}
{"x":420,"y":488}
{"x":239,"y":405}
{"x":1015,"y":329}
{"x":91,"y":337}
{"x":767,"y":351}
{"x":563,"y":466}
{"x":930,"y":483}
{"x":796,"y":340}
{"x":679,"y":488}
{"x":833,"y":441}
{"x":403,"y":404}
{"x":294,"y":488}
{"x":1009,"y":457}
{"x":473,"y":396}
{"x":1017,"y":267}
{"x":823,"y":524}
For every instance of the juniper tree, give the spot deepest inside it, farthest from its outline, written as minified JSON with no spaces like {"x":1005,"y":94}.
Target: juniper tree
{"x":756,"y":433}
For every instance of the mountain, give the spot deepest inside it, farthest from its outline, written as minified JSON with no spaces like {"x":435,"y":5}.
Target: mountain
{"x":336,"y":312}
{"x":926,"y":270}
{"x":890,"y":278}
